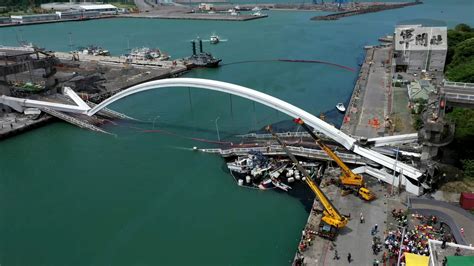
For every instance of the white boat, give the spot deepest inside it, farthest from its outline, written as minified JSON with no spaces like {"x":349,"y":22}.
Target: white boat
{"x":93,"y":50}
{"x":147,"y":54}
{"x":340,"y":107}
{"x":280,"y":185}
{"x":266,"y":184}
{"x":257,"y":13}
{"x":241,"y":165}
{"x":256,"y":9}
{"x":214,"y":39}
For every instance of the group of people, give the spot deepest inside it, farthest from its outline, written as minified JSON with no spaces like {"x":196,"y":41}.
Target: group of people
{"x":400,"y":216}
{"x":307,"y":236}
{"x":413,"y":241}
{"x":336,"y":256}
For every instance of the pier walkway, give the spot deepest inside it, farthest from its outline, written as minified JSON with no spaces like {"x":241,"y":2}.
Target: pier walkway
{"x":368,"y":106}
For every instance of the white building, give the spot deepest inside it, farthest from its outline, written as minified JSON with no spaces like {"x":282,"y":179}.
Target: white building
{"x":420,"y":47}
{"x":105,"y":9}
{"x":77,"y":14}
{"x":5,"y":20}
{"x":33,"y":18}
{"x":206,"y":6}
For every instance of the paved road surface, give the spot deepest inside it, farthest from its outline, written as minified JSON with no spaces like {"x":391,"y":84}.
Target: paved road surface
{"x":356,"y":238}
{"x":143,"y":6}
{"x":375,"y":97}
{"x":460,"y":217}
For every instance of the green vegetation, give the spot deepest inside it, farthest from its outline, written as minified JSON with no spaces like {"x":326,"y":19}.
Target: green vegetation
{"x":418,"y":106}
{"x":460,"y":68}
{"x":464,"y":139}
{"x":460,"y":56}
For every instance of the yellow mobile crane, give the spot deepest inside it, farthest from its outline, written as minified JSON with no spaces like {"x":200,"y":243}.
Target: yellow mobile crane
{"x":349,"y":179}
{"x":332,"y":220}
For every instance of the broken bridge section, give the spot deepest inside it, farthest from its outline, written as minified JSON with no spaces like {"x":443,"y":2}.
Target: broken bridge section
{"x":411,"y":177}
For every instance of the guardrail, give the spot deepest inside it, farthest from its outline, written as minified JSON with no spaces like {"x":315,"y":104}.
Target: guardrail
{"x":277,"y":150}
{"x":459,"y":97}
{"x":458,"y":84}
{"x":282,"y":135}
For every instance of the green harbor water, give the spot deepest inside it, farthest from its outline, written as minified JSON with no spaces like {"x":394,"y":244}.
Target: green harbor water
{"x":72,"y":197}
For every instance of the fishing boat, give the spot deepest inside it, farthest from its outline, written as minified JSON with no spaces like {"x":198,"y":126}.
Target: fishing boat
{"x":277,"y":183}
{"x":147,"y":54}
{"x":93,"y":50}
{"x":266,"y":184}
{"x":242,"y":165}
{"x":341,"y":107}
{"x":214,"y":39}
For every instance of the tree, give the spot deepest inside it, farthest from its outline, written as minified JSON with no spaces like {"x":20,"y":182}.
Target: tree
{"x":463,"y":28}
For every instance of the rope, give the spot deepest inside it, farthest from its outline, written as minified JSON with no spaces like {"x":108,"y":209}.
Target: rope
{"x":292,"y":61}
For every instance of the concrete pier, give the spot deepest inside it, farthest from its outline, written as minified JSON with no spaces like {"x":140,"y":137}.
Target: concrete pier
{"x":375,"y":7}
{"x":368,"y":106}
{"x":194,"y":16}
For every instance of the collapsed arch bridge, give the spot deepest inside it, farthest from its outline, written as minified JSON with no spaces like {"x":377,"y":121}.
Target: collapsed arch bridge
{"x":414,"y":175}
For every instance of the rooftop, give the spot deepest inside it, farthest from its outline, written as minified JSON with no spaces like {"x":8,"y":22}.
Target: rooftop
{"x":412,"y":37}
{"x":95,"y":7}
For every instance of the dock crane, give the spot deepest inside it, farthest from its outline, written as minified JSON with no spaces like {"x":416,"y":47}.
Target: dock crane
{"x":332,"y":220}
{"x":349,"y":179}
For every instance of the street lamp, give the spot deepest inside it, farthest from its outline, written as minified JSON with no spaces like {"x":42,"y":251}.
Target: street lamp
{"x":217,"y":129}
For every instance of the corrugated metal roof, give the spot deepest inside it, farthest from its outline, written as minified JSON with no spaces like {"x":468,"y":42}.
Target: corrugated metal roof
{"x":96,"y":7}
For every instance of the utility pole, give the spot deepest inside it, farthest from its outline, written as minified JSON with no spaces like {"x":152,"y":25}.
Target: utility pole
{"x":217,"y":129}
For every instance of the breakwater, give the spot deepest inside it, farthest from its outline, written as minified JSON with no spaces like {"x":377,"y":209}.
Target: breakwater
{"x":364,"y":10}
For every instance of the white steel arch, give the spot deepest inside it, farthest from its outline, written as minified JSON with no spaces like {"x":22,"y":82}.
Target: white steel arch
{"x":270,"y":101}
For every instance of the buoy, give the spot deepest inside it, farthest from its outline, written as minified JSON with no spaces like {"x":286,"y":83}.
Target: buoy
{"x":291,"y":180}
{"x":247,"y":179}
{"x":195,"y":148}
{"x":241,"y":182}
{"x":304,"y":178}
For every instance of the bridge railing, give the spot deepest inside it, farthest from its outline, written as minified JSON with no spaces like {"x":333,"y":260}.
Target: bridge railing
{"x":281,"y":134}
{"x":278,"y":149}
{"x":459,"y":97}
{"x":458,"y":84}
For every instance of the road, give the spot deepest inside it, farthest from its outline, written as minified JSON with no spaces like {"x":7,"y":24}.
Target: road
{"x":374,"y":103}
{"x":356,"y":238}
{"x":143,"y":6}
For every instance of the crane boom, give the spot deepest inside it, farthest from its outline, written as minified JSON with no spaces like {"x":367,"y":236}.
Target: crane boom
{"x":348,"y":177}
{"x":331,"y":214}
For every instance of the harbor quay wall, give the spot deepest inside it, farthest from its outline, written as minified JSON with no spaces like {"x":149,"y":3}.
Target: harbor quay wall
{"x":195,"y":16}
{"x":10,"y":129}
{"x":369,"y":9}
{"x":54,"y":21}
{"x":351,"y":117}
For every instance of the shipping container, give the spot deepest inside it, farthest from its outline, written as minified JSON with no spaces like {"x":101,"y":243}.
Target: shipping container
{"x":467,"y":200}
